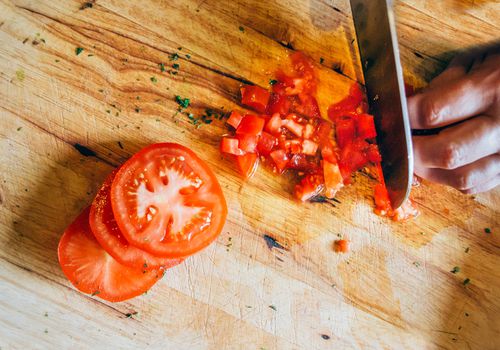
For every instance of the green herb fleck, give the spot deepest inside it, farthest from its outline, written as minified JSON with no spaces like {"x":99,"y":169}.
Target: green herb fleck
{"x":188,"y":56}
{"x":241,"y":29}
{"x":145,"y":265}
{"x":57,"y":61}
{"x":20,"y":75}
{"x":173,"y":57}
{"x":466,"y":281}
{"x":46,"y":331}
{"x":272,"y":81}
{"x":175,"y":66}
{"x":272,"y":307}
{"x":321,"y":60}
{"x":101,"y":90}
{"x":456,"y":269}
{"x":46,"y":314}
{"x":90,"y":55}
{"x":416,"y":263}
{"x":466,"y":314}
{"x":467,"y":249}
{"x":487,"y":230}
{"x":183,"y":102}
{"x":137,"y":109}
{"x":96,"y":292}
{"x":108,"y":111}
{"x":19,"y":128}
{"x":179,"y":48}
{"x":78,"y":50}
{"x":248,"y":306}
{"x":138,"y":97}
{"x":153,"y":79}
{"x":130,"y":314}
{"x":162,"y":66}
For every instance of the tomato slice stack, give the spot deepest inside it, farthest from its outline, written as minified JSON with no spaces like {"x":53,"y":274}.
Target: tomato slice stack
{"x":288,"y":133}
{"x":159,"y":207}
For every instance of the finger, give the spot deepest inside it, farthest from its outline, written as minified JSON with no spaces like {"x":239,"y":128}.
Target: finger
{"x":458,"y":145}
{"x":486,"y":186}
{"x":450,"y":103}
{"x":466,"y":177}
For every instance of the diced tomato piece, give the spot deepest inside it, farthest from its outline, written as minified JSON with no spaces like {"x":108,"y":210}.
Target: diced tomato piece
{"x":266,"y":143}
{"x":342,"y":246}
{"x":274,"y":124}
{"x":373,"y":154}
{"x":255,"y":97}
{"x":345,"y":131}
{"x":294,"y":127}
{"x":280,"y":159}
{"x":333,"y":178}
{"x":247,"y":143}
{"x":247,"y":164}
{"x":297,"y":87}
{"x":235,"y":119}
{"x":305,"y":68}
{"x":310,"y":186}
{"x":308,"y":131}
{"x":230,"y":145}
{"x":308,"y":106}
{"x":365,"y":126}
{"x":293,"y":146}
{"x":251,"y":125}
{"x":382,"y":202}
{"x":353,"y":155}
{"x":347,"y":105}
{"x":278,"y":103}
{"x":323,"y":131}
{"x":309,"y":147}
{"x":299,"y":162}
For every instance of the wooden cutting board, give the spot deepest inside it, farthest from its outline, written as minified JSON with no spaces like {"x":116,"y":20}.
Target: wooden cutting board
{"x":393,"y":290}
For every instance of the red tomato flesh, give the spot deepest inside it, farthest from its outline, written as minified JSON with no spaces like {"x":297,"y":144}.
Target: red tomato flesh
{"x":167,"y":201}
{"x":106,"y":231}
{"x":235,"y":119}
{"x":247,"y":164}
{"x":93,"y":271}
{"x":251,"y":125}
{"x":231,"y":145}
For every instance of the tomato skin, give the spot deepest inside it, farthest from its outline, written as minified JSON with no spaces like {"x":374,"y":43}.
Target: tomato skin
{"x":108,"y":235}
{"x":235,"y":119}
{"x":255,"y":97}
{"x":247,"y":164}
{"x":91,"y":270}
{"x":365,"y":126}
{"x":174,"y":206}
{"x":345,"y":131}
{"x":251,"y":125}
{"x":266,"y":143}
{"x":231,"y":145}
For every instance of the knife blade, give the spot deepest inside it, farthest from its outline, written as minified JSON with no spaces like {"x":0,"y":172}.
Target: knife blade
{"x":378,"y":48}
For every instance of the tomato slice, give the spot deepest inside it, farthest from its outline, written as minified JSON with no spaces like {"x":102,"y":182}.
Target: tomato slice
{"x":91,"y":270}
{"x":255,"y":97}
{"x":247,"y":164}
{"x":106,"y":231}
{"x":167,"y":201}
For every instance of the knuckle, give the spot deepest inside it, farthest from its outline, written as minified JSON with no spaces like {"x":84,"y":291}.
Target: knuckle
{"x":464,"y":181}
{"x":451,"y":156}
{"x":431,"y":113}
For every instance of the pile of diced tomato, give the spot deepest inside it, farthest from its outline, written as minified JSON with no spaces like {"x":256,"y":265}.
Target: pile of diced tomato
{"x":287,"y":132}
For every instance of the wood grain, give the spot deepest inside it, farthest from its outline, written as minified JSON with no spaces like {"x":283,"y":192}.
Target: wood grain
{"x":393,"y":290}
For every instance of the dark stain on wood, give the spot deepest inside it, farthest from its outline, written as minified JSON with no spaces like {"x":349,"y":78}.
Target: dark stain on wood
{"x":272,"y":243}
{"x":85,"y":151}
{"x":418,"y":55}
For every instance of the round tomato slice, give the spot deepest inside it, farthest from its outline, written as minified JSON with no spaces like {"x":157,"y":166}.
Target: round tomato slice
{"x":106,"y":231}
{"x":91,"y":270}
{"x":167,"y":201}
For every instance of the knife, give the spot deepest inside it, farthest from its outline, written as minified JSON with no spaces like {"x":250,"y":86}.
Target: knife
{"x":378,"y":48}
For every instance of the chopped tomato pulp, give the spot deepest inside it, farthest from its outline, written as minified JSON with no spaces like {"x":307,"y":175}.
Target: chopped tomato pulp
{"x":293,"y":136}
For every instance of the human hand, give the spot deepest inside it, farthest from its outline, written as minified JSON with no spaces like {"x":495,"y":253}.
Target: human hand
{"x":464,"y":100}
